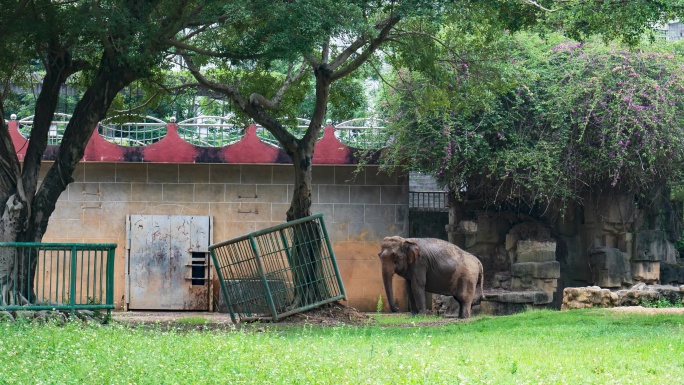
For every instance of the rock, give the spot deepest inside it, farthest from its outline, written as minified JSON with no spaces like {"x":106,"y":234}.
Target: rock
{"x":445,"y":305}
{"x":641,"y":294}
{"x":636,"y":297}
{"x":669,"y":273}
{"x":609,"y":267}
{"x":502,"y":280}
{"x":536,"y":269}
{"x":650,"y":246}
{"x":531,"y":297}
{"x":529,"y":283}
{"x":646,"y":271}
{"x":535,"y":251}
{"x":586,"y":297}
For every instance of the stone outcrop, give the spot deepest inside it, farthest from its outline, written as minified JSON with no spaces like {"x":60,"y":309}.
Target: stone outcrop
{"x":585,"y":297}
{"x":609,"y":267}
{"x":637,"y":295}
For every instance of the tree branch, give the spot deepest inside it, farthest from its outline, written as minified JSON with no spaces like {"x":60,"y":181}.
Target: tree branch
{"x":385,"y":28}
{"x":226,"y":55}
{"x":289,"y":79}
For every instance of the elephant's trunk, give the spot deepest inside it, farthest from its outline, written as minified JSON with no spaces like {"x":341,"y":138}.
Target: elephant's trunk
{"x":387,"y":274}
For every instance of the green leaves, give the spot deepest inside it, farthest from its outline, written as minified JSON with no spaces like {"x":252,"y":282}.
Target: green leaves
{"x":546,"y":123}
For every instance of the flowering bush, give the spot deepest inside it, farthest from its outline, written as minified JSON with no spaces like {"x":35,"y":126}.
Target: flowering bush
{"x":566,"y":118}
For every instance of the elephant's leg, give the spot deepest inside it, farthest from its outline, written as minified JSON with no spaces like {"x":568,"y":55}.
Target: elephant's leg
{"x":418,"y":291}
{"x":465,"y":309}
{"x":412,"y":301}
{"x":460,"y":305}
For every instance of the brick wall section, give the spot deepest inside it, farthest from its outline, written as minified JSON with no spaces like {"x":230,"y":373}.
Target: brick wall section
{"x":359,"y":209}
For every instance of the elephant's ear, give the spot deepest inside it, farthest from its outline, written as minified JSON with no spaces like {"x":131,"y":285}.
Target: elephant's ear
{"x":412,"y":250}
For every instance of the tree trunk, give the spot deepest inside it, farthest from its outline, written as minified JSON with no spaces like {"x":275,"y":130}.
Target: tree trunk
{"x":24,"y":218}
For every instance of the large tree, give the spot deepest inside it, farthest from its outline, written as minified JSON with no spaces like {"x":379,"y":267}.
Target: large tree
{"x":109,"y":44}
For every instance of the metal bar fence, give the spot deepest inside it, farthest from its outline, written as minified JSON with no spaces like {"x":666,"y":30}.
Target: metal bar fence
{"x":68,"y":276}
{"x":279,"y":271}
{"x":428,"y":201}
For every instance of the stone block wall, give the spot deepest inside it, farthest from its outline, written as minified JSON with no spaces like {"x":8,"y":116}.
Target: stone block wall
{"x":359,"y":209}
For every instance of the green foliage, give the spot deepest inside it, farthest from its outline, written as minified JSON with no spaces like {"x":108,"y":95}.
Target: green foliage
{"x":661,"y":303}
{"x":607,"y":347}
{"x":564,"y":118}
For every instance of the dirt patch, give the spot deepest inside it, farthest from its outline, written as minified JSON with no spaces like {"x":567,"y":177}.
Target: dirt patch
{"x":331,"y":314}
{"x":648,"y":310}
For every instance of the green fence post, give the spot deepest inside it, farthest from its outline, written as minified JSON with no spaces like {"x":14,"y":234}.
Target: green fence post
{"x":224,"y":289}
{"x":110,"y":281}
{"x":332,"y":257}
{"x":262,"y":271}
{"x":72,"y":283}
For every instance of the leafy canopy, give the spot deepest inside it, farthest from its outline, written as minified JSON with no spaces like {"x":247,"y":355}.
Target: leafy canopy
{"x":543,"y":121}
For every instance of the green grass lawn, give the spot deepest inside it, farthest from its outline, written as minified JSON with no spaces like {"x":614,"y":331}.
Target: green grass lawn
{"x":538,"y":347}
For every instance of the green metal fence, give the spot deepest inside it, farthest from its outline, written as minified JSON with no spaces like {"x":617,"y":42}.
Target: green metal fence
{"x":68,"y":276}
{"x":278,"y":271}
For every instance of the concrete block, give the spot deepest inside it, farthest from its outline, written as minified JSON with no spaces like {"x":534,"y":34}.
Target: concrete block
{"x":374,"y":176}
{"x":379,"y":213}
{"x":349,"y":175}
{"x":274,"y":193}
{"x":240,"y":193}
{"x":256,"y":174}
{"x":146,"y":192}
{"x":84,"y":192}
{"x":224,"y":173}
{"x":118,"y":192}
{"x":394,"y":195}
{"x":321,"y":175}
{"x":328,"y":211}
{"x":333,"y":194}
{"x":646,"y":271}
{"x":348,"y":213}
{"x":193,"y":173}
{"x":283,"y":174}
{"x":535,"y":251}
{"x":131,"y":172}
{"x":176,"y":192}
{"x":209,"y":192}
{"x":99,"y":172}
{"x":549,"y":269}
{"x":161,"y":173}
{"x":364,"y":194}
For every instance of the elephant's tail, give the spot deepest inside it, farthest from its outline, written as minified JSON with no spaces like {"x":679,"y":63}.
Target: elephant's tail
{"x":479,"y":288}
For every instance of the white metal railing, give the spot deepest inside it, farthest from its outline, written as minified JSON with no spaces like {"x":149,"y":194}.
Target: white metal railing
{"x":365,"y":133}
{"x":132,"y":130}
{"x":210,"y":131}
{"x":56,"y":131}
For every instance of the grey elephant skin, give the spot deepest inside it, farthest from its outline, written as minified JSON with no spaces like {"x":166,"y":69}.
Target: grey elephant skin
{"x":431,"y":265}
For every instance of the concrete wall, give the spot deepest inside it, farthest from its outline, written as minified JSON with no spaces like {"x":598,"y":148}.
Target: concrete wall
{"x":358,"y":211}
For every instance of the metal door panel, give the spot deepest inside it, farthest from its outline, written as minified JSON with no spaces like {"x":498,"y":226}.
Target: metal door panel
{"x":160,"y":262}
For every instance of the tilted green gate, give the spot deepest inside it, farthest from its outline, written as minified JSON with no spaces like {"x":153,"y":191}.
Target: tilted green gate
{"x":69,"y":276}
{"x":279,"y":271}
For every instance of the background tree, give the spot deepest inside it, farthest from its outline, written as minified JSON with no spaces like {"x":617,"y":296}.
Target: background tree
{"x":575,"y":120}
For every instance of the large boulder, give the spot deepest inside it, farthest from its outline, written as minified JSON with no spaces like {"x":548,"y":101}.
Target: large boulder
{"x":609,"y":267}
{"x":586,"y":297}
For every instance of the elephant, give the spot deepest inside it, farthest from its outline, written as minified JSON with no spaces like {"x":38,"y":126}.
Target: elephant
{"x":431,"y":265}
